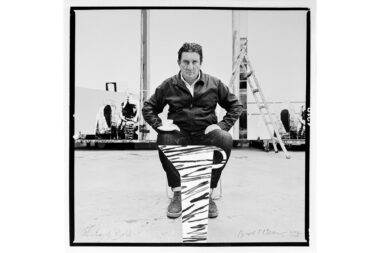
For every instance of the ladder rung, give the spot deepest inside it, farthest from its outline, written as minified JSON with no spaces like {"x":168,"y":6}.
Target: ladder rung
{"x":255,"y":90}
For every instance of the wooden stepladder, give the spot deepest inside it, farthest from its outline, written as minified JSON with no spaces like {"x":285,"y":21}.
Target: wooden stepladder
{"x":257,"y":94}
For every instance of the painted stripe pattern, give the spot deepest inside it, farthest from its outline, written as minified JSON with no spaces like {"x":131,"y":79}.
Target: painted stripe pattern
{"x":194,"y":164}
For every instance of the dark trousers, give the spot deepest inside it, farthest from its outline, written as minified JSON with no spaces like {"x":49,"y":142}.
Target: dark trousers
{"x":218,"y":138}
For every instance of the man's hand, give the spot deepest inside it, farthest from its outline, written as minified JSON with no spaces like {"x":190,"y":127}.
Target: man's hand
{"x":169,"y":127}
{"x":211,"y":128}
{"x":129,"y":123}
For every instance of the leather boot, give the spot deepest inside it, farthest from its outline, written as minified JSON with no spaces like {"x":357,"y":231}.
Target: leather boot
{"x":212,"y":209}
{"x":175,"y":206}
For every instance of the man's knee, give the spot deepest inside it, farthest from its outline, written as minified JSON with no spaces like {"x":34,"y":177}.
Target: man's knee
{"x":223,"y":137}
{"x":220,"y":138}
{"x":226,"y":136}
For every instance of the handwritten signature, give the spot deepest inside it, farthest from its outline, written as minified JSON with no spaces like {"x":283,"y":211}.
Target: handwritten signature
{"x":267,"y":231}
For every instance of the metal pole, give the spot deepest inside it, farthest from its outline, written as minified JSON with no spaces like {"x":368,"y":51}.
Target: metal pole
{"x":144,"y":69}
{"x":235,"y":55}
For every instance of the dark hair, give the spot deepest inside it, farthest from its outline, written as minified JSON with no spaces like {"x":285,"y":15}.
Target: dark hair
{"x":190,"y":47}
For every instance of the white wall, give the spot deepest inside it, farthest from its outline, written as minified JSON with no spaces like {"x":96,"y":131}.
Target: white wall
{"x":107,"y":49}
{"x":277,"y":50}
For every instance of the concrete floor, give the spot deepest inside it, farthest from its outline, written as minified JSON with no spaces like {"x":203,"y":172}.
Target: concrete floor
{"x":120,"y":197}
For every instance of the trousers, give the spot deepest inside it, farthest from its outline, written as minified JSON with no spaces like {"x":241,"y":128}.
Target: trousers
{"x":218,"y":138}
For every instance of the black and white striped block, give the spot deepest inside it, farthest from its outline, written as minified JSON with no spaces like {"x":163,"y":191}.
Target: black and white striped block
{"x":194,"y":164}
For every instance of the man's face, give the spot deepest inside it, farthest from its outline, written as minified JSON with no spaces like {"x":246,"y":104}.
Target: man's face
{"x":190,"y":65}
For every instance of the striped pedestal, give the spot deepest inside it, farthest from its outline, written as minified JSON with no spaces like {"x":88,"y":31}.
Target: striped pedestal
{"x":194,"y":164}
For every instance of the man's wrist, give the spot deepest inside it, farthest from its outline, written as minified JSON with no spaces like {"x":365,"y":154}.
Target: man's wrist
{"x":157,"y":126}
{"x":222,"y":126}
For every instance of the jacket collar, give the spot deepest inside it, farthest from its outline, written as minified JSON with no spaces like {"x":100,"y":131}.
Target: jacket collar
{"x":177,"y":78}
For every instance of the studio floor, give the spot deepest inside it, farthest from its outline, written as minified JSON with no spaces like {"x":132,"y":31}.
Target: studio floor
{"x":120,"y":196}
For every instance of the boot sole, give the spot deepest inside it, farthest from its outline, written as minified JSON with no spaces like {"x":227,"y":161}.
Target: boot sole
{"x":212,"y":215}
{"x":173,"y":215}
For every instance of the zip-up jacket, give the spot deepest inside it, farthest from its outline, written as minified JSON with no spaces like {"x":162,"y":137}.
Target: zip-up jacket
{"x":192,"y":113}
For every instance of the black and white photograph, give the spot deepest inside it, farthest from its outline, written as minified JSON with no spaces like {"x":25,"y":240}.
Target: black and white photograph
{"x":189,"y":126}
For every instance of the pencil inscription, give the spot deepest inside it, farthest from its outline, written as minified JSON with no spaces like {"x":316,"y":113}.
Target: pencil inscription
{"x":267,"y":231}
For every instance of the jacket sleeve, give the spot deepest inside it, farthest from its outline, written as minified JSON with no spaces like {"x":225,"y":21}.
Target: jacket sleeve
{"x":152,"y":107}
{"x":231,"y":104}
